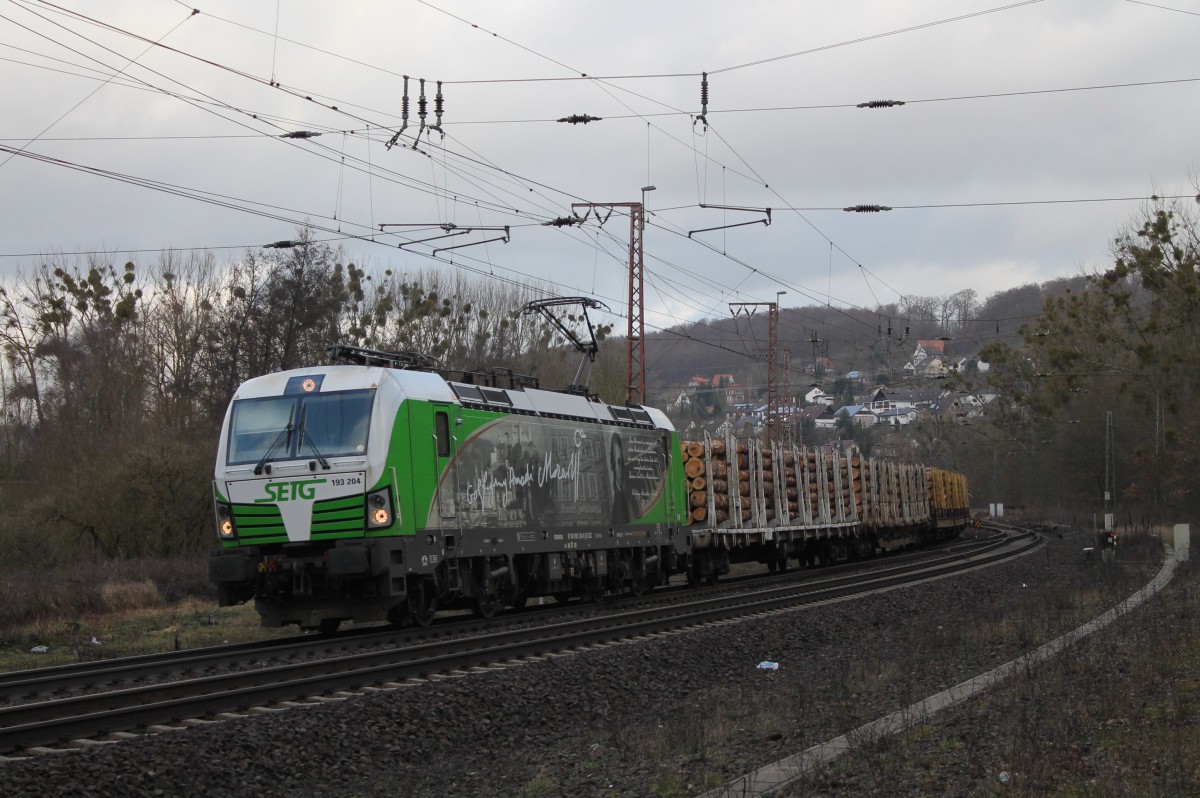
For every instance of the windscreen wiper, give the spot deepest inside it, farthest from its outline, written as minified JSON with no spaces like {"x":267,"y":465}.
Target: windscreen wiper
{"x":304,"y":436}
{"x":285,"y":435}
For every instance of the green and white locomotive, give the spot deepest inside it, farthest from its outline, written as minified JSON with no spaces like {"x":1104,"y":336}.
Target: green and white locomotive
{"x":381,"y":490}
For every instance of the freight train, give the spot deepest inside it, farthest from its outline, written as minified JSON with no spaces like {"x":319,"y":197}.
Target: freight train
{"x":382,"y":488}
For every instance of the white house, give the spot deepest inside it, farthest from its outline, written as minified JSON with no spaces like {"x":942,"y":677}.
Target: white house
{"x":818,"y":397}
{"x":859,"y":414}
{"x":897,"y":416}
{"x":881,"y":399}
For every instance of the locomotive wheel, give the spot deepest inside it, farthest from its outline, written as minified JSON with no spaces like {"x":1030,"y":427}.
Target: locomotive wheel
{"x":486,"y":606}
{"x":422,"y":606}
{"x":423,"y":616}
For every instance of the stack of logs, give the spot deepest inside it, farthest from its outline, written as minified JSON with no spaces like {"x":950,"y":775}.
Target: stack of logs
{"x":857,"y":483}
{"x":699,"y":465}
{"x":698,"y":468}
{"x":843,"y":490}
{"x":947,"y":490}
{"x":791,"y":483}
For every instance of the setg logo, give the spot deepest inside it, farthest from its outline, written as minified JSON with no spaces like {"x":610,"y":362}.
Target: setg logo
{"x":287,"y":491}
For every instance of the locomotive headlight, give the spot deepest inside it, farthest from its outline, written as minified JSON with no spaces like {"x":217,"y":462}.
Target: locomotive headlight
{"x":379,"y":509}
{"x":225,"y":528}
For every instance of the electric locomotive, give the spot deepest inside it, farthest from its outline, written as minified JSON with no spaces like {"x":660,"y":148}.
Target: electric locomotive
{"x":381,"y":490}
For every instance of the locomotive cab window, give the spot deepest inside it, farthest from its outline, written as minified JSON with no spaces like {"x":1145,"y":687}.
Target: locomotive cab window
{"x":441,"y":431}
{"x":293,"y":427}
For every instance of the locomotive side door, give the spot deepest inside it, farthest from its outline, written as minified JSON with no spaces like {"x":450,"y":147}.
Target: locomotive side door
{"x":446,"y":419}
{"x":664,"y":472}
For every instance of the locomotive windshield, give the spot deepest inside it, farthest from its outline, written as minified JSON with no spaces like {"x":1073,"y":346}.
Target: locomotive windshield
{"x":292,"y":427}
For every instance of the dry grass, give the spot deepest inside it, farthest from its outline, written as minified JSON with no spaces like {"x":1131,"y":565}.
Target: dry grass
{"x":122,"y":608}
{"x":190,"y":623}
{"x":125,"y":596}
{"x":69,"y":592}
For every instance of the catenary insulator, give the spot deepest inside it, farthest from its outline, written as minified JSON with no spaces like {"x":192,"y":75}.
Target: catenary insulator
{"x":703,"y":117}
{"x":580,"y":119}
{"x":403,"y":116}
{"x":421,"y":105}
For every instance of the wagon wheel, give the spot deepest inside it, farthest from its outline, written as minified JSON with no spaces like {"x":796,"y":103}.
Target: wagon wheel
{"x":424,"y":616}
{"x":422,"y":607}
{"x":330,"y":625}
{"x":486,"y":606}
{"x":593,"y":591}
{"x":638,"y":585}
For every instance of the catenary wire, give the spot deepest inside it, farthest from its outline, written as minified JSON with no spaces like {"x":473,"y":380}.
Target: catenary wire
{"x":874,"y":37}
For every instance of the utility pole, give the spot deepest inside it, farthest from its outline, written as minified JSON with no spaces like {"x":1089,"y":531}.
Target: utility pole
{"x":1110,"y":475}
{"x":815,"y":341}
{"x":770,"y":433}
{"x":635,"y":365}
{"x":787,"y":394}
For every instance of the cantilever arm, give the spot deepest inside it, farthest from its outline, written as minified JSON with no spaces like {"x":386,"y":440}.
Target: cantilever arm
{"x":503,"y":238}
{"x":765,"y":222}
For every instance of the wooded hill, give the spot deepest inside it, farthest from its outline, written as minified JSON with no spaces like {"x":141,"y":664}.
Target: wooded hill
{"x":827,"y":343}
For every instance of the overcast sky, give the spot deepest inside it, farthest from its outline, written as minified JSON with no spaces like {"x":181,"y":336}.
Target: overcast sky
{"x":202,"y":120}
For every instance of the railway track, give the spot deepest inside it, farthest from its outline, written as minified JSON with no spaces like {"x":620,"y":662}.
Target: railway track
{"x":105,"y":700}
{"x":64,"y":680}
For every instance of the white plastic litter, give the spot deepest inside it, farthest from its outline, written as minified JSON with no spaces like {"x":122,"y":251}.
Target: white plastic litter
{"x":767,"y":665}
{"x":39,"y":649}
{"x":1004,"y":777}
{"x":95,"y":642}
